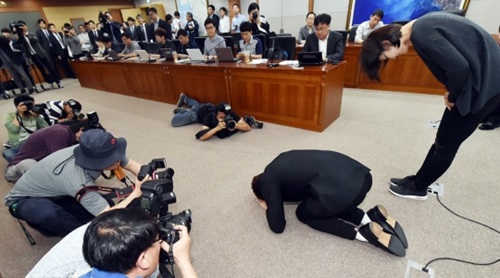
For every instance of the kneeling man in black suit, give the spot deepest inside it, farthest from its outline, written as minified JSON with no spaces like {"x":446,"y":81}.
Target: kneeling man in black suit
{"x":330,"y":186}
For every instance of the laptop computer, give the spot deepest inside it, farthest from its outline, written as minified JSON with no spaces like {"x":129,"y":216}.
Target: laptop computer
{"x":144,"y":56}
{"x":167,"y":54}
{"x":195,"y":55}
{"x":225,"y":54}
{"x":113,"y":56}
{"x":310,"y":58}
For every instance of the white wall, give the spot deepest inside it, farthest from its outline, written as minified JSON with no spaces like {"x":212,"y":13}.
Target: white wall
{"x":485,"y":13}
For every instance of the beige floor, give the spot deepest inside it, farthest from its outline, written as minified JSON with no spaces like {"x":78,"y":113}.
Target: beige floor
{"x":386,"y":131}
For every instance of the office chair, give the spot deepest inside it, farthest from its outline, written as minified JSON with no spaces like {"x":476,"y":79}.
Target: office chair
{"x":229,"y":42}
{"x":200,"y":41}
{"x":352,"y":33}
{"x":344,"y":34}
{"x":286,"y":43}
{"x":177,"y":44}
{"x":284,"y":35}
{"x":262,"y":39}
{"x":151,"y":47}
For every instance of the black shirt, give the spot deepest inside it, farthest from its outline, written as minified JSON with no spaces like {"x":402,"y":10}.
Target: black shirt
{"x":207,"y":116}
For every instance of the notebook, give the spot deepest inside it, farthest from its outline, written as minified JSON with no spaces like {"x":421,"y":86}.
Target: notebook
{"x":225,"y":54}
{"x":113,"y":56}
{"x":167,"y":53}
{"x":310,"y":58}
{"x":195,"y":55}
{"x":144,"y":56}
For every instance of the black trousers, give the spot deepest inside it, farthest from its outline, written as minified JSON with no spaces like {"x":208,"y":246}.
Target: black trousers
{"x":50,"y":75}
{"x":453,"y":130}
{"x":494,"y":117}
{"x":64,"y":63}
{"x":52,"y":216}
{"x":312,"y":213}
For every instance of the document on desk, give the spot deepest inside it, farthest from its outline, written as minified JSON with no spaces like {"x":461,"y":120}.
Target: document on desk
{"x":258,"y":61}
{"x":289,"y":62}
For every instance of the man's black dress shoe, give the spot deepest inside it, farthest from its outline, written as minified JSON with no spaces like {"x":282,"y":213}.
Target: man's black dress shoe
{"x":377,"y":237}
{"x":488,"y":126}
{"x":380,"y":215}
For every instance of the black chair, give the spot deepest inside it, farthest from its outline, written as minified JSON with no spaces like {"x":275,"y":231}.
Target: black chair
{"x":229,"y":42}
{"x":284,"y":35}
{"x":352,"y":33}
{"x":177,"y":44}
{"x":200,"y":41}
{"x":285,"y":43}
{"x":343,"y":33}
{"x":262,"y":39}
{"x":225,"y":34}
{"x":151,"y":47}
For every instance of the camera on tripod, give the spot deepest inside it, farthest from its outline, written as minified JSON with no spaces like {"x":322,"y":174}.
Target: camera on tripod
{"x":157,"y":194}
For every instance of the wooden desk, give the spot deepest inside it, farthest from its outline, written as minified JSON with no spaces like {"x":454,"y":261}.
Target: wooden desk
{"x":308,"y":99}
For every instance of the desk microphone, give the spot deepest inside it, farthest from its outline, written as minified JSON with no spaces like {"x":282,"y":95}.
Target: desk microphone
{"x":213,"y":59}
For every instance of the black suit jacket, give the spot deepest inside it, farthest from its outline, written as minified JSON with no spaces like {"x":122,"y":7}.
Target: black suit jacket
{"x":57,"y":49}
{"x":15,"y":57}
{"x":113,"y":29}
{"x":334,"y":47}
{"x":93,"y":39}
{"x":139,"y":33}
{"x":331,"y":179}
{"x":44,"y":41}
{"x":216,"y":20}
{"x":37,"y":46}
{"x":161,"y":24}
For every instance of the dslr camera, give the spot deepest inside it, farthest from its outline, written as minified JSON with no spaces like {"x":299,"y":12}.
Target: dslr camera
{"x":255,"y":15}
{"x":252,"y":122}
{"x":93,"y":120}
{"x":15,"y":28}
{"x":228,"y":119}
{"x":157,"y":194}
{"x":35,"y":108}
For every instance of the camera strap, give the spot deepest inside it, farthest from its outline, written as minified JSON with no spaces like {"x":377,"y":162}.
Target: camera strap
{"x":20,"y":120}
{"x":164,"y":272}
{"x":120,"y":193}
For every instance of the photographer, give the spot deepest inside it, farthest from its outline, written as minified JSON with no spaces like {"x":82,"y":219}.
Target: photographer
{"x":127,"y":242}
{"x":14,"y":61}
{"x":72,"y":41}
{"x":260,"y":25}
{"x":59,"y":111}
{"x":109,"y":27}
{"x":56,"y":195}
{"x":20,"y":124}
{"x":42,"y":143}
{"x":214,"y":119}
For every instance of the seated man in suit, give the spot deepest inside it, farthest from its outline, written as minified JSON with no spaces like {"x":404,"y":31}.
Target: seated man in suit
{"x":213,"y":41}
{"x":130,"y":46}
{"x":248,"y":43}
{"x":365,"y":28}
{"x":185,"y":43}
{"x":161,"y":39}
{"x":307,"y":29}
{"x":329,"y":43}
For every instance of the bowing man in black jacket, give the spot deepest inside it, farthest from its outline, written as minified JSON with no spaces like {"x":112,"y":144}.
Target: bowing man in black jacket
{"x":330,"y":43}
{"x":330,"y":186}
{"x":156,"y":23}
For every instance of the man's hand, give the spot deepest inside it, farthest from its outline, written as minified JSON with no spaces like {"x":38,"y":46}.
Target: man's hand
{"x":221,"y":125}
{"x":448,"y":104}
{"x":262,"y":203}
{"x":181,"y":251}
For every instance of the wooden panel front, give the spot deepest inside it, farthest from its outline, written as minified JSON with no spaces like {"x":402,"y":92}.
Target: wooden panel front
{"x":86,"y":72}
{"x":114,"y":79}
{"x":203,"y":82}
{"x":150,"y":81}
{"x":351,"y":55}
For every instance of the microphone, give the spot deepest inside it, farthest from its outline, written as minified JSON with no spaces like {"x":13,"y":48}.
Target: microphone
{"x":213,"y":60}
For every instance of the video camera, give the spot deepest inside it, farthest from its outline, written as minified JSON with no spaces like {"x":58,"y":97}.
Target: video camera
{"x":93,"y":120}
{"x":15,"y":28}
{"x":157,"y":194}
{"x":102,"y":18}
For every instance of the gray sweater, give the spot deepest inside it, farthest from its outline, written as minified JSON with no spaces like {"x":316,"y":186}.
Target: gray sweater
{"x":462,"y":56}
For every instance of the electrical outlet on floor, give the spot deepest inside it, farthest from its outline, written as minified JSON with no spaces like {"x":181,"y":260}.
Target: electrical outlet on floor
{"x":436,"y":188}
{"x":414,"y":270}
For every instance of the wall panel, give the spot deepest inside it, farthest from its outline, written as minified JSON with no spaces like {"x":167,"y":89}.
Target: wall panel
{"x":61,"y":15}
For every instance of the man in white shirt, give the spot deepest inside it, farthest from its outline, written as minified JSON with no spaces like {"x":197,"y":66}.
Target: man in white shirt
{"x":365,"y":28}
{"x":224,"y":26}
{"x":84,"y":39}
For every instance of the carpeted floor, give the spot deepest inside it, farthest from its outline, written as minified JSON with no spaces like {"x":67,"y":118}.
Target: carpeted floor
{"x":386,"y":131}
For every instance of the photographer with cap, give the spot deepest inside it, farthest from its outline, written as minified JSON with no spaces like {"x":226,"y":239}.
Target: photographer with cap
{"x":127,"y":242}
{"x":20,"y":124}
{"x":211,"y":117}
{"x":46,"y":196}
{"x":42,"y":143}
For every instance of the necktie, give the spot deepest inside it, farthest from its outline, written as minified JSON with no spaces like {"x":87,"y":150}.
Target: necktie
{"x":95,"y":33}
{"x":59,"y":40}
{"x":132,"y":29}
{"x":145,"y":33}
